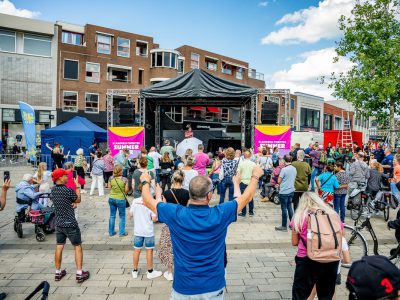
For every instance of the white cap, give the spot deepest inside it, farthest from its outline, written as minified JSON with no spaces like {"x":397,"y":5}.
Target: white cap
{"x":27,"y":177}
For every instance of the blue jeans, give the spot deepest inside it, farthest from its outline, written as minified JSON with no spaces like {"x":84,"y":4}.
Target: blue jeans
{"x":339,"y":204}
{"x":251,"y":203}
{"x":125,"y":172}
{"x":216,"y":182}
{"x":226,"y":183}
{"x":121,"y":206}
{"x":394,"y":190}
{"x":286,"y":207}
{"x":158,"y":175}
{"x":315,"y":173}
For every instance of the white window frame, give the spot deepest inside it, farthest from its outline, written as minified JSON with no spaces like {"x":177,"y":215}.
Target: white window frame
{"x":183,"y":66}
{"x":97,"y":42}
{"x":77,"y":101}
{"x":147,"y":48}
{"x":237,"y":73}
{"x":223,"y":69}
{"x":294,"y":102}
{"x":191,"y":60}
{"x":98,"y":103}
{"x":71,"y":32}
{"x":109,"y":74}
{"x":214,"y":62}
{"x":38,"y":39}
{"x":86,"y":78}
{"x":64,"y":69}
{"x":129,"y":47}
{"x":46,"y":114}
{"x":15,"y":41}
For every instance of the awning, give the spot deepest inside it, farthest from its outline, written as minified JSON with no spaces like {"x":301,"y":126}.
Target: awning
{"x":234,"y":64}
{"x":119,"y":67}
{"x":213,"y":109}
{"x":201,"y":108}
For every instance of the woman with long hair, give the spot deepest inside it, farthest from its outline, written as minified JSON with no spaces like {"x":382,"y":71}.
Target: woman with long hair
{"x":166,"y":166}
{"x":309,"y":272}
{"x":215,"y":170}
{"x":188,"y":172}
{"x":80,"y":165}
{"x":175,"y":195}
{"x":98,"y":168}
{"x":229,"y":167}
{"x":43,"y":178}
{"x":340,"y":193}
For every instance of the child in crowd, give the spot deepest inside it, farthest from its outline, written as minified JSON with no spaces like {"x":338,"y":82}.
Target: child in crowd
{"x":143,"y":235}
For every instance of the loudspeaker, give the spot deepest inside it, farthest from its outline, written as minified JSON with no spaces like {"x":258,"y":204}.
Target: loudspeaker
{"x":126,"y":112}
{"x":269,"y":113}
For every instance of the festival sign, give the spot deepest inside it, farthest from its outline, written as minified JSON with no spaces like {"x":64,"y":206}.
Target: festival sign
{"x":131,"y":138}
{"x":273,"y":136}
{"x":28,"y":121}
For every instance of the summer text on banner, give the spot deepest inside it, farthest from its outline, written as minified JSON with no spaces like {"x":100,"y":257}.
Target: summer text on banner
{"x":131,"y":138}
{"x":28,"y":121}
{"x":273,"y":136}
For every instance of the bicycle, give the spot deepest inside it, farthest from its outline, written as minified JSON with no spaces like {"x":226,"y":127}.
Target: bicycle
{"x":358,"y":245}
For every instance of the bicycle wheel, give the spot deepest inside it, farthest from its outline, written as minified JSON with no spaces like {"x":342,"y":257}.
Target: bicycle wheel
{"x":358,"y":246}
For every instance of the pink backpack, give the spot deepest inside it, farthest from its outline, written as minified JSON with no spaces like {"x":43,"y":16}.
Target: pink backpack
{"x":324,"y":237}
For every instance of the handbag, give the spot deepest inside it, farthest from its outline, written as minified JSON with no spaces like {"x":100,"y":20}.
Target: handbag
{"x":127,"y":205}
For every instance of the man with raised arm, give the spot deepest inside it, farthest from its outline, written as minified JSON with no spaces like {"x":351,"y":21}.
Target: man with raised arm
{"x":198,"y":234}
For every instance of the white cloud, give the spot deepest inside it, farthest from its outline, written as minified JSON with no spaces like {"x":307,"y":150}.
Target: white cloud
{"x":263,"y":3}
{"x":7,"y":7}
{"x":311,"y":24}
{"x":306,"y":76}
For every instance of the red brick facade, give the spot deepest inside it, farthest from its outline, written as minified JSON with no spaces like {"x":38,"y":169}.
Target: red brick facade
{"x":335,"y":112}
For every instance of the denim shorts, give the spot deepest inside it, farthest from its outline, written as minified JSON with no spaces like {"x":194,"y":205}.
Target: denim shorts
{"x":217,"y":295}
{"x":72,"y":233}
{"x":148,"y":242}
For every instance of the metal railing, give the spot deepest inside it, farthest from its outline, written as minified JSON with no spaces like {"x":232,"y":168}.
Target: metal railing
{"x":256,"y":75}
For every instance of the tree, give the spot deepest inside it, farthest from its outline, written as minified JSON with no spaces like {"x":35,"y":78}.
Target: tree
{"x":371,"y":41}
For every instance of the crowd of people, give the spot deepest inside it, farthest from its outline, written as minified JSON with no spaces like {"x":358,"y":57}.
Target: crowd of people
{"x":177,"y":191}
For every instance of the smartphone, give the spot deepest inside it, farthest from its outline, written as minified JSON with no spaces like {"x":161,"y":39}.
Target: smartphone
{"x":74,"y":174}
{"x":6,"y":175}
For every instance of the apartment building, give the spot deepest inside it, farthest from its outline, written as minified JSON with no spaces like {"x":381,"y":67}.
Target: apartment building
{"x":93,"y":59}
{"x":310,"y":110}
{"x":28,"y":72}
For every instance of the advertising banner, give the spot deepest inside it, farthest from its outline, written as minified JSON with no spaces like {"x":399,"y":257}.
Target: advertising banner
{"x":28,"y":121}
{"x":272,"y":136}
{"x":131,"y":138}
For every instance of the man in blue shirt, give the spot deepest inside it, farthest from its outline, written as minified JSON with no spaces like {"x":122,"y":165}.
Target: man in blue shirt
{"x":379,"y":154}
{"x":198,"y":234}
{"x":387,"y":162}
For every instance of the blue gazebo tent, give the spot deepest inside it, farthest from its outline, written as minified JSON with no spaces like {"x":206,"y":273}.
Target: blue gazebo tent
{"x":74,"y":134}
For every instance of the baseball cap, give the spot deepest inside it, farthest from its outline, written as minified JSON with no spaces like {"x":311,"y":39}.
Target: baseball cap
{"x":373,"y":277}
{"x":58,"y":173}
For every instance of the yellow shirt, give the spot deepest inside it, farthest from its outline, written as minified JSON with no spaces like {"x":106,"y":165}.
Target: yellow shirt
{"x":245,"y":170}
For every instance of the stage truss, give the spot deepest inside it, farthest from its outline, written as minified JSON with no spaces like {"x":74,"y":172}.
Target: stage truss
{"x":245,"y":106}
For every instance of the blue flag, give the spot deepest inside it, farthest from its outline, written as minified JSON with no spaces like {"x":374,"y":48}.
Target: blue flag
{"x":28,"y":121}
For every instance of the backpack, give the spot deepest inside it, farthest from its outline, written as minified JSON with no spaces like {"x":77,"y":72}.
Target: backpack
{"x":324,"y":237}
{"x":322,"y":158}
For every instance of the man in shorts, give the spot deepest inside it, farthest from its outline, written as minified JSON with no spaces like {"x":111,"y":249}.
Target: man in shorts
{"x":65,"y":200}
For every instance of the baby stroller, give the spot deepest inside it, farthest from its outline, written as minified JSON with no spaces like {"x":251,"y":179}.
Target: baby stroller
{"x":43,"y":219}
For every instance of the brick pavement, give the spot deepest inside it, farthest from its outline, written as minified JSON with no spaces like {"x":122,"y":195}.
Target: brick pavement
{"x":260,"y":260}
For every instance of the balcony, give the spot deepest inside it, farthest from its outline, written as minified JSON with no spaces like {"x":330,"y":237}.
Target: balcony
{"x":255,"y":75}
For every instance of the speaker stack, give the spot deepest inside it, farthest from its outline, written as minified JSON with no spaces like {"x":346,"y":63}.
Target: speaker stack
{"x":269,"y":113}
{"x":126,"y":112}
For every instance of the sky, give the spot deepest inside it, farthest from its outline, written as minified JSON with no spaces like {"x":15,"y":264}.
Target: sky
{"x":290,"y":41}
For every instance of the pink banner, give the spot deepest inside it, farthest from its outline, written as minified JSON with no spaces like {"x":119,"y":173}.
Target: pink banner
{"x":131,"y":138}
{"x":273,"y":136}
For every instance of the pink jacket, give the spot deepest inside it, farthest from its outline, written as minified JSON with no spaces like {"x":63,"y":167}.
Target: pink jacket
{"x":70,"y":182}
{"x":275,"y":174}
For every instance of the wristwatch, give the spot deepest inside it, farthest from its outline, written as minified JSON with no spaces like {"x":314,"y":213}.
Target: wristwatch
{"x":144,"y":182}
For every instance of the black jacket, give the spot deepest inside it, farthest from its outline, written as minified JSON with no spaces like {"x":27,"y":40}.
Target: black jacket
{"x":395,"y":224}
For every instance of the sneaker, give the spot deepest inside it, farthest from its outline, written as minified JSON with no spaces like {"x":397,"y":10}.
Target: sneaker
{"x":82,"y":277}
{"x":251,"y":214}
{"x":59,"y":276}
{"x":338,"y":279}
{"x":154,"y":274}
{"x":135,"y":274}
{"x":83,"y":191}
{"x":241,"y":215}
{"x":168,"y":276}
{"x":280,"y":228}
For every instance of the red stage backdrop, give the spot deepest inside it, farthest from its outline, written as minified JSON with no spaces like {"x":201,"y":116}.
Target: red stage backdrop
{"x":332,"y":136}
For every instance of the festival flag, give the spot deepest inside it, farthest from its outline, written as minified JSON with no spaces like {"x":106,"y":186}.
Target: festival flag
{"x":28,"y":121}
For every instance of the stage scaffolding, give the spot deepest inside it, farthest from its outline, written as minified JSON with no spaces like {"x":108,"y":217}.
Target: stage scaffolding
{"x":248,"y":105}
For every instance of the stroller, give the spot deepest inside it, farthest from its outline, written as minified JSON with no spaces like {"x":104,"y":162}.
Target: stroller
{"x":269,"y":190}
{"x":43,"y":219}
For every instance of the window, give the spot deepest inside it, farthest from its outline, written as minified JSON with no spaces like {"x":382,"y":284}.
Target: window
{"x":225,"y":114}
{"x":291,"y":122}
{"x":72,"y":38}
{"x":121,"y":75}
{"x":239,"y":73}
{"x":140,"y":76}
{"x":141,"y":48}
{"x":91,"y":103}
{"x":175,"y":113}
{"x":226,"y":69}
{"x":309,"y":119}
{"x":181,"y":66}
{"x":292,"y":103}
{"x":167,"y":59}
{"x":92,"y":72}
{"x":195,"y":61}
{"x":163,"y":59}
{"x":124,"y":46}
{"x":70,"y":101}
{"x":338,"y":123}
{"x":211,"y":64}
{"x":173,"y":60}
{"x":328,"y":122}
{"x":159,"y":59}
{"x":44,"y":117}
{"x":37,"y":44}
{"x":103,"y":44}
{"x":8,"y":115}
{"x":7,"y":41}
{"x":71,"y":68}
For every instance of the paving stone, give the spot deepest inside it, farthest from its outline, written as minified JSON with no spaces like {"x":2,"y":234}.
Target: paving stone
{"x":70,"y":290}
{"x":262,"y":295}
{"x":130,"y":290}
{"x":99,"y":290}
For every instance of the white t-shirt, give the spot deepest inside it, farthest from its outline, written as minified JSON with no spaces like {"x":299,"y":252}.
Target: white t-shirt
{"x":156,"y":159}
{"x":142,"y":218}
{"x":189,"y":175}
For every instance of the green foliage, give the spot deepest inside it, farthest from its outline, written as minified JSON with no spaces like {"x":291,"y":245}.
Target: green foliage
{"x":371,"y":41}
